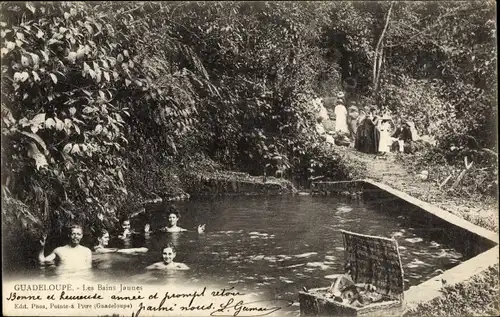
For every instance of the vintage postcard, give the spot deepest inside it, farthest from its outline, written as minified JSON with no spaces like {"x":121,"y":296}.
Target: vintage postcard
{"x":249,"y":158}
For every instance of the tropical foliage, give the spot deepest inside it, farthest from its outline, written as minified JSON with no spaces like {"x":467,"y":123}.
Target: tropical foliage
{"x":105,"y":102}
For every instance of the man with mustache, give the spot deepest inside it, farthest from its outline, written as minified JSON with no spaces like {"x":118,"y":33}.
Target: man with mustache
{"x":71,"y":256}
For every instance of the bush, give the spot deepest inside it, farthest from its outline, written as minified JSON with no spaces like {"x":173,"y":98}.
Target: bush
{"x":479,"y":182}
{"x":475,"y":297}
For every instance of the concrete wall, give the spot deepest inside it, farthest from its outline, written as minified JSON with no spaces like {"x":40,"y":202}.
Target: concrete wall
{"x":241,"y":184}
{"x":474,"y":242}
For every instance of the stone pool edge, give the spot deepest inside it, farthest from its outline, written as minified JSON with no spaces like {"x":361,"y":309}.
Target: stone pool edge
{"x":430,"y":289}
{"x":436,"y":211}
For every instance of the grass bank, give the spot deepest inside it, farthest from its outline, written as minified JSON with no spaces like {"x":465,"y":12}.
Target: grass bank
{"x":401,"y":171}
{"x":477,"y":296}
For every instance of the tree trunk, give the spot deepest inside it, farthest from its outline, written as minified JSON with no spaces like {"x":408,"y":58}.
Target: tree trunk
{"x":379,"y":69}
{"x":377,"y":58}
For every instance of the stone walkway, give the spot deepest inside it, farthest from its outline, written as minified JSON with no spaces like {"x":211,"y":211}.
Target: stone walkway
{"x":389,"y":171}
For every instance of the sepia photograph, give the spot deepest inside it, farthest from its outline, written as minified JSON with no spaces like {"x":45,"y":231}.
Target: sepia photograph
{"x":249,"y":158}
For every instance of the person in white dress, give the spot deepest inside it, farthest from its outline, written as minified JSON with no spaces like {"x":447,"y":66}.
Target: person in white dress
{"x":341,"y":115}
{"x":385,"y":140}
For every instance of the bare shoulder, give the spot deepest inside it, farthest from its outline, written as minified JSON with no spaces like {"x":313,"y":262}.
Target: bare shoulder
{"x":83,"y":249}
{"x":181,"y":266}
{"x":58,"y":250}
{"x":155,"y":266}
{"x":100,"y":250}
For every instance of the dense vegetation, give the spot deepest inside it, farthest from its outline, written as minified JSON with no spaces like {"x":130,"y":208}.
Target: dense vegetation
{"x":106,"y":102}
{"x":477,"y":296}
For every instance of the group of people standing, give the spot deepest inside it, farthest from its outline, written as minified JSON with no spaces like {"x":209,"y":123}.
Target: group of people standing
{"x":367,"y":129}
{"x":73,"y":256}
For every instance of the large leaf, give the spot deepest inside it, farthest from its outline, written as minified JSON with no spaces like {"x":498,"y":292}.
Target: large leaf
{"x":37,"y":138}
{"x":50,"y":123}
{"x":54,"y":78}
{"x":67,"y":148}
{"x":34,"y":153}
{"x":59,"y":124}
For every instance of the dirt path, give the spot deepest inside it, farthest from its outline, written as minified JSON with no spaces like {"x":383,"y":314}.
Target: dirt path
{"x":388,"y":170}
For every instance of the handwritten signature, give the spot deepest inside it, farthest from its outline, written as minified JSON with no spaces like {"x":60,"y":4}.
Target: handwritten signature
{"x":257,"y":308}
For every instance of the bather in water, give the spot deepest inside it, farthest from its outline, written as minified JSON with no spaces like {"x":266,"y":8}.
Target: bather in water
{"x":168,"y":263}
{"x":103,"y":241}
{"x":173,"y":218}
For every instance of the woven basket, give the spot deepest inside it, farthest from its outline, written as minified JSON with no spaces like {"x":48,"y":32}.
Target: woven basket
{"x":372,"y":260}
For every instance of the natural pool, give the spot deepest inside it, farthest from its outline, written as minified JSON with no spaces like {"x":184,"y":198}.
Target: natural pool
{"x":274,"y":246}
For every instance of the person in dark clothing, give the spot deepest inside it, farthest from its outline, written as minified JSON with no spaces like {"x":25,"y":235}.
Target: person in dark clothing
{"x":367,"y":135}
{"x":404,"y":136}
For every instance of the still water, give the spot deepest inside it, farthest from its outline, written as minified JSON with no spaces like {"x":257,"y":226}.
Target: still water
{"x":273,"y":246}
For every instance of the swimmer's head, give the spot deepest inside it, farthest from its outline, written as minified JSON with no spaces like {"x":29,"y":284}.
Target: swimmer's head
{"x":173,"y":216}
{"x":103,"y":238}
{"x":75,"y":234}
{"x":168,"y":253}
{"x":126,"y":224}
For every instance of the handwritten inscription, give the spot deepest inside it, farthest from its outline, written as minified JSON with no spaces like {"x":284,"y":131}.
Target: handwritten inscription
{"x":14,"y":296}
{"x":256,"y":308}
{"x":135,"y":297}
{"x":219,"y":302}
{"x":227,"y":292}
{"x":63,"y":296}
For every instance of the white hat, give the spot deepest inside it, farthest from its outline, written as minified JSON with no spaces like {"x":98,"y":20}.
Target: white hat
{"x":340,"y":94}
